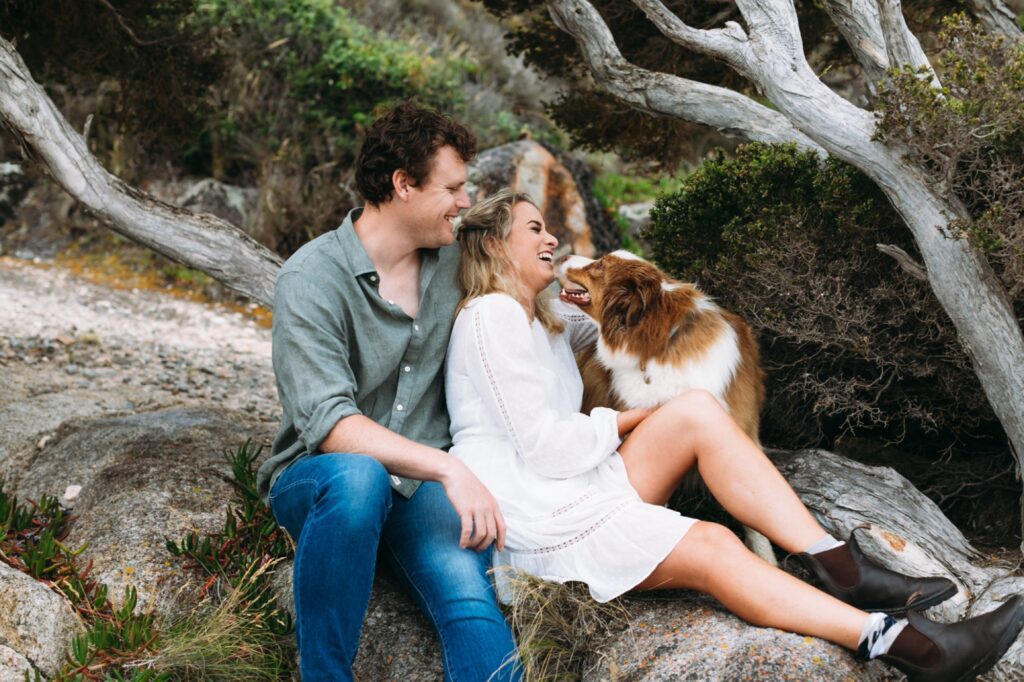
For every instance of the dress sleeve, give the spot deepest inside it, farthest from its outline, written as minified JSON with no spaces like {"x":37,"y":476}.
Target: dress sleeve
{"x":514,"y":382}
{"x":315,"y":382}
{"x":580,"y":328}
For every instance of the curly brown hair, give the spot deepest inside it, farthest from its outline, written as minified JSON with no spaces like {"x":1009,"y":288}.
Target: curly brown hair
{"x":407,"y":137}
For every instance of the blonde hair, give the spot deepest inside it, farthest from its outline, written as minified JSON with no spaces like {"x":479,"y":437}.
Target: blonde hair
{"x":485,"y":266}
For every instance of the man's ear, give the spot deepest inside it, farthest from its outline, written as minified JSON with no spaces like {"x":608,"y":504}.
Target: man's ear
{"x":400,"y":183}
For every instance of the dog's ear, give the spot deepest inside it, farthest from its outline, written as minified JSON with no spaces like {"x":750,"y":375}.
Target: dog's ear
{"x":629,"y":298}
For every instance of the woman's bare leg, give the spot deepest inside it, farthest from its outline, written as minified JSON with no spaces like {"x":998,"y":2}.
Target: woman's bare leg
{"x":694,"y":429}
{"x":711,"y":559}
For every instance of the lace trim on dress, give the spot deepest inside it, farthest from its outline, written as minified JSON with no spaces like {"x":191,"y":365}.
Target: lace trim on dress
{"x":576,"y":538}
{"x":478,"y":329}
{"x":575,"y":503}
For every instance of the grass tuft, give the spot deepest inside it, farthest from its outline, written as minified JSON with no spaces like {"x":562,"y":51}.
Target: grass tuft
{"x":558,"y":626}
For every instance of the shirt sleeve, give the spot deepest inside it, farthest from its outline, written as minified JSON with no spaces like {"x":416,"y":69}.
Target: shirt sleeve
{"x":580,"y":328}
{"x":315,"y":382}
{"x":513,"y":382}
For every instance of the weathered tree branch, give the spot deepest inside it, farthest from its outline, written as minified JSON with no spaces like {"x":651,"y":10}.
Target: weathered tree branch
{"x":728,"y":44}
{"x":901,"y":45}
{"x":858,"y":22}
{"x":728,"y":112}
{"x":996,"y":17}
{"x":909,"y":265}
{"x":203,"y":242}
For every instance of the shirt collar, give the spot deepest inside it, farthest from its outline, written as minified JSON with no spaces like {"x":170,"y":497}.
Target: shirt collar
{"x":359,"y":262}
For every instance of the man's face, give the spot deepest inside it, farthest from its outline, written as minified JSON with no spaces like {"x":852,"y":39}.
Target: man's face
{"x":435,"y":203}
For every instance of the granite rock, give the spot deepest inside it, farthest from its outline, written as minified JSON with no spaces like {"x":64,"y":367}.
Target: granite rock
{"x":144,"y":478}
{"x":37,"y":626}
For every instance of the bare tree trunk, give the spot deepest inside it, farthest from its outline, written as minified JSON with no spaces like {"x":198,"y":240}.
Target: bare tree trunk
{"x":203,"y":242}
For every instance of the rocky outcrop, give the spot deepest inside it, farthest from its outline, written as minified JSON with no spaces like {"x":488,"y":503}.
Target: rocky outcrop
{"x":690,"y":636}
{"x":36,"y":625}
{"x":143,"y":478}
{"x":528,"y":167}
{"x":237,"y":205}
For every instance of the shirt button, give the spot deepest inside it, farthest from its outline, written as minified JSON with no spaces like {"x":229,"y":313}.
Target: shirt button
{"x":416,"y":327}
{"x":399,"y":407}
{"x":373,"y":278}
{"x":407,"y":368}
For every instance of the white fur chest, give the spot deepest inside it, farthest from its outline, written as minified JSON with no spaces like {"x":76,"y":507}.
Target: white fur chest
{"x":712,"y":371}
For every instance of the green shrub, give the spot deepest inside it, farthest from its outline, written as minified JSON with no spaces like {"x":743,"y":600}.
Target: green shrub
{"x":852,"y":343}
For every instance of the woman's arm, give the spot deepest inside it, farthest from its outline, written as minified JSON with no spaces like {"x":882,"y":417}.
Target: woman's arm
{"x":630,"y":419}
{"x":515,"y":386}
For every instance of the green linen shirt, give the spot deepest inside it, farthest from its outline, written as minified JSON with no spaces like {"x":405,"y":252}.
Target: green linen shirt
{"x":340,"y":349}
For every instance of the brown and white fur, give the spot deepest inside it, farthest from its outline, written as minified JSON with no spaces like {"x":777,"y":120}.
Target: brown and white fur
{"x":660,"y":338}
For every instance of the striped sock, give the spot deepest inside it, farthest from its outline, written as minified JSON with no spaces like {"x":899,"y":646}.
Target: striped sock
{"x":877,"y":635}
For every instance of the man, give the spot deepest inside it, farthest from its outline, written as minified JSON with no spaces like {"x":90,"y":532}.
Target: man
{"x":362,"y":317}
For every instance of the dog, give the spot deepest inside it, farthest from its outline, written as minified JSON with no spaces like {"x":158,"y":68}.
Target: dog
{"x":660,"y":338}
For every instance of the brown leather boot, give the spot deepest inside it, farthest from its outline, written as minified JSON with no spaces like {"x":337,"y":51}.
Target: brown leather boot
{"x":936,"y":652}
{"x":848,"y":575}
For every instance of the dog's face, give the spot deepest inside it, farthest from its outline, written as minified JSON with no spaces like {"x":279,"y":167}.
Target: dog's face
{"x":618,"y":289}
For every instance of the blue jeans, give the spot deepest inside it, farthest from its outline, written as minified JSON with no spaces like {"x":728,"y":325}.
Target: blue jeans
{"x":340,"y":508}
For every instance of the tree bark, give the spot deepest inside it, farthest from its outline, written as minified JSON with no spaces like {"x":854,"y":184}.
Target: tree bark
{"x":729,"y":112}
{"x":963,"y":282}
{"x":203,"y":242}
{"x":996,"y":17}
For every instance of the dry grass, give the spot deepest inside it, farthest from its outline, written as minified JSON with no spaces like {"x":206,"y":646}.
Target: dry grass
{"x":223,"y":638}
{"x":559,"y":627}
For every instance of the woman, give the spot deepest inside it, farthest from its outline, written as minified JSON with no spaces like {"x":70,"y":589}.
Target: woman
{"x":581,"y":504}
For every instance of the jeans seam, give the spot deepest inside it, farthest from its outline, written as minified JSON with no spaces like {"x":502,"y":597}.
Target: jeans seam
{"x":273,"y":496}
{"x":430,"y":612}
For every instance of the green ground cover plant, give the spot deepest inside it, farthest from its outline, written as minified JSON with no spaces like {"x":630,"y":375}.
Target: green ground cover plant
{"x":234,"y":632}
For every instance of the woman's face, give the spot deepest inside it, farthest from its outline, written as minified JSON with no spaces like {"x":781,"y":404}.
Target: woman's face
{"x":531,"y":249}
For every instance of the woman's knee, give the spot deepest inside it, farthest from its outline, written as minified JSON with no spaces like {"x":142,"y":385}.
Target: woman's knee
{"x":715,"y":549}
{"x":697,"y":411}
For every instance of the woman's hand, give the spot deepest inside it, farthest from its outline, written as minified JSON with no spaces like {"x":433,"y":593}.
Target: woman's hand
{"x":630,"y":419}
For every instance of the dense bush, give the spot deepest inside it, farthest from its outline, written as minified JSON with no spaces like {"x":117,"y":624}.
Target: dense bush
{"x":969,"y":135}
{"x":853,"y":344}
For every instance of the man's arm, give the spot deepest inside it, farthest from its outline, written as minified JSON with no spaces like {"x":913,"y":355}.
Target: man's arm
{"x":482,"y":522}
{"x":317,"y":389}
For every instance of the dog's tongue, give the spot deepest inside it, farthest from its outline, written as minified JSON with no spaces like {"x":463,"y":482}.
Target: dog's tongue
{"x":575,"y":296}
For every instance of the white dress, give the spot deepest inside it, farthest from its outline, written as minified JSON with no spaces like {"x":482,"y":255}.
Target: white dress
{"x":514,"y":396}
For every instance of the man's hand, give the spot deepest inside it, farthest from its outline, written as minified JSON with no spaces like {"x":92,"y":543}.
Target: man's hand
{"x":482,"y":522}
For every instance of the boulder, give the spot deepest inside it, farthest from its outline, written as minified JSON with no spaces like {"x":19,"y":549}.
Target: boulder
{"x":13,"y":666}
{"x":37,"y":626}
{"x":144,"y":478}
{"x":528,"y":167}
{"x":688,"y":636}
{"x":237,"y":205}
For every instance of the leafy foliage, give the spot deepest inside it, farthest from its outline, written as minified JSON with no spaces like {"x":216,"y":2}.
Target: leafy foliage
{"x":33,"y":542}
{"x":969,"y":135}
{"x":236,"y":633}
{"x":852,"y":343}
